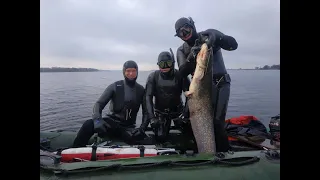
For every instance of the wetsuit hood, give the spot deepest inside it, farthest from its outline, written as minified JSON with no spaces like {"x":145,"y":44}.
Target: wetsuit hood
{"x":126,"y":65}
{"x":167,"y":56}
{"x":187,"y":21}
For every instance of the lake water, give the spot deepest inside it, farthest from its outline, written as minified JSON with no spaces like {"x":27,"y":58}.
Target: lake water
{"x":67,"y":98}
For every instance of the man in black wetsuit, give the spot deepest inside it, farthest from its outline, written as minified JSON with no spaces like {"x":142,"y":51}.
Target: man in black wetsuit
{"x":186,"y":57}
{"x":166,"y":85}
{"x":126,"y":97}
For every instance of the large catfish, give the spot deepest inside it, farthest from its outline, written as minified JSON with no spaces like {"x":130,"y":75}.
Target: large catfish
{"x":199,"y":102}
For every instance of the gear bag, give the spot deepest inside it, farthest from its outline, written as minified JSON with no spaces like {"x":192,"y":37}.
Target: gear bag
{"x":248,"y":126}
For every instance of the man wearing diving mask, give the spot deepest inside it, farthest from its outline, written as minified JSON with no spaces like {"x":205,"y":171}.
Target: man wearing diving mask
{"x":186,"y":57}
{"x":166,"y":85}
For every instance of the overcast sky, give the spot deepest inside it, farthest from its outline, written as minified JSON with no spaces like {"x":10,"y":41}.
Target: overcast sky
{"x":104,"y":34}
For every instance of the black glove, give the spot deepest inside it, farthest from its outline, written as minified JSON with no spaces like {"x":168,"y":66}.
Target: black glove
{"x":193,"y":53}
{"x":180,"y":122}
{"x":154,"y":122}
{"x":99,"y":126}
{"x":195,"y":50}
{"x":137,"y":131}
{"x":210,"y":38}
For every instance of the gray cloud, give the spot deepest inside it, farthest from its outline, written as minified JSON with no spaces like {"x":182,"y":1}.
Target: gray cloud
{"x":105,"y":33}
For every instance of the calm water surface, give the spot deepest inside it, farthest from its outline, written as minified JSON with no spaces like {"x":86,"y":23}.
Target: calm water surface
{"x":67,"y":98}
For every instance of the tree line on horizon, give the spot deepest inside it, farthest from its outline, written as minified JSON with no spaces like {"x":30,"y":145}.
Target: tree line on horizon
{"x":267,"y":67}
{"x":62,"y":69}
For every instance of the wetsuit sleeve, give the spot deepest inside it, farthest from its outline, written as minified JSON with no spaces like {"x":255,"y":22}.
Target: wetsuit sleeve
{"x":149,"y":96}
{"x":103,"y":101}
{"x":185,"y":67}
{"x":224,"y":41}
{"x":145,"y":120}
{"x":185,"y":84}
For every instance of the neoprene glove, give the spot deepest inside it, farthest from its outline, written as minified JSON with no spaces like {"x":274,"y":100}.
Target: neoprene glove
{"x":137,"y":131}
{"x":154,"y":122}
{"x":180,"y":122}
{"x":99,"y":126}
{"x":138,"y":134}
{"x":195,"y":50}
{"x":193,"y":54}
{"x":211,"y":38}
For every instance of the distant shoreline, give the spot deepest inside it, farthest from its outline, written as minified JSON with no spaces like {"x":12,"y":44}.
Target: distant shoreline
{"x":60,"y":69}
{"x":254,"y":69}
{"x":56,"y":71}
